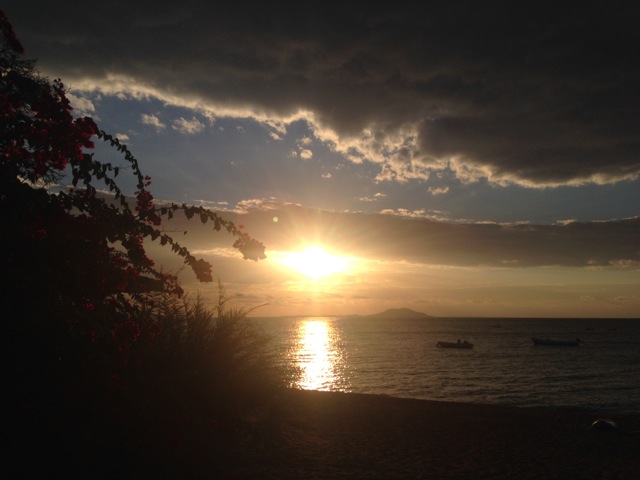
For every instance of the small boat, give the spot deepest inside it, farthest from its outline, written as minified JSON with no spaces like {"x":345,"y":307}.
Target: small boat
{"x":458,"y":344}
{"x":556,"y":343}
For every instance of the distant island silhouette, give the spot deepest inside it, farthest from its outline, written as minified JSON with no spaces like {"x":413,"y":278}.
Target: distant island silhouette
{"x":398,"y":313}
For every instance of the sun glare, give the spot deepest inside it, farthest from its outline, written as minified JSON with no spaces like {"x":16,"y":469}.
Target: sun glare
{"x":315,"y":262}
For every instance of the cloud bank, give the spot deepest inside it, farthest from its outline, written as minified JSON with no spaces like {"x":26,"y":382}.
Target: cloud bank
{"x":391,"y":238}
{"x":514,"y":94}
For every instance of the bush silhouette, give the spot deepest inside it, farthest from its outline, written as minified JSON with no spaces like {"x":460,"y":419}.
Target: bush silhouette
{"x":112,"y":370}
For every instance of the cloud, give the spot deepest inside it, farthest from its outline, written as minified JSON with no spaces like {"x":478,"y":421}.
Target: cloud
{"x":406,"y":213}
{"x":304,"y":152}
{"x":82,"y":106}
{"x":188,"y":127}
{"x":153,"y":120}
{"x":511,"y":94}
{"x":257,"y":204}
{"x":438,"y":190}
{"x":375,"y":197}
{"x":420,"y":237}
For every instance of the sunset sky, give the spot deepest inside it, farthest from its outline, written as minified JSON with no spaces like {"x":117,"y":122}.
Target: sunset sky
{"x":457,"y":160}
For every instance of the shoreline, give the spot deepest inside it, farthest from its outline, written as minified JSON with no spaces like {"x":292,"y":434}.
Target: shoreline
{"x":313,"y":434}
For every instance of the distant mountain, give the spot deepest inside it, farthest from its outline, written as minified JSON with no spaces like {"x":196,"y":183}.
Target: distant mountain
{"x":399,"y":313}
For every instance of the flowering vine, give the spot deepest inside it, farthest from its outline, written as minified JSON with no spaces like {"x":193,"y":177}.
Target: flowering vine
{"x":74,"y":246}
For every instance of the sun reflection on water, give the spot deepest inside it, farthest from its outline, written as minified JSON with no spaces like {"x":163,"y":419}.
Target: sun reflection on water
{"x":318,"y":355}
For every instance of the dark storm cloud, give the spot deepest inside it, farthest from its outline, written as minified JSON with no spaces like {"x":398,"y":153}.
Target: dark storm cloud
{"x":517,"y":93}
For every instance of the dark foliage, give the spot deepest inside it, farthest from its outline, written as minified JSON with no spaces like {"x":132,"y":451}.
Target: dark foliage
{"x":111,"y":372}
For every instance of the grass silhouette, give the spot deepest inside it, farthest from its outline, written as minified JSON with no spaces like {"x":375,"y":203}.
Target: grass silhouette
{"x":199,"y":383}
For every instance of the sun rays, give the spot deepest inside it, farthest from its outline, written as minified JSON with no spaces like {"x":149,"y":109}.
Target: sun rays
{"x":313,"y":262}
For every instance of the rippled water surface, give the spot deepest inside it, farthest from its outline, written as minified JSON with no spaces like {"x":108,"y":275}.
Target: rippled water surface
{"x":399,"y":357}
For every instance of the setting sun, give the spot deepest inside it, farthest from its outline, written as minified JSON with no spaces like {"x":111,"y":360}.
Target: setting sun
{"x":314,"y":262}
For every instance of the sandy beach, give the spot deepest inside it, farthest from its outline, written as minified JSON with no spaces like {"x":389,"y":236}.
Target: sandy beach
{"x":334,"y":435}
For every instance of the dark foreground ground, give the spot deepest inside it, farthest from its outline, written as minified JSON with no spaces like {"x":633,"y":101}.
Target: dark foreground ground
{"x":321,"y":435}
{"x":347,"y":436}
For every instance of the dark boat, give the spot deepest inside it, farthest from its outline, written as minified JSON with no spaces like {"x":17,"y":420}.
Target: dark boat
{"x":457,"y":344}
{"x":556,"y":343}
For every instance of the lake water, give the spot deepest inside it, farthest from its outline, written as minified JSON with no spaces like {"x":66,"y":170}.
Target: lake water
{"x":399,"y":357}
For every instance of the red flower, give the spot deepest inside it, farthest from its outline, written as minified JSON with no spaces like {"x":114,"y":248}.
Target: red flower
{"x":40,"y":234}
